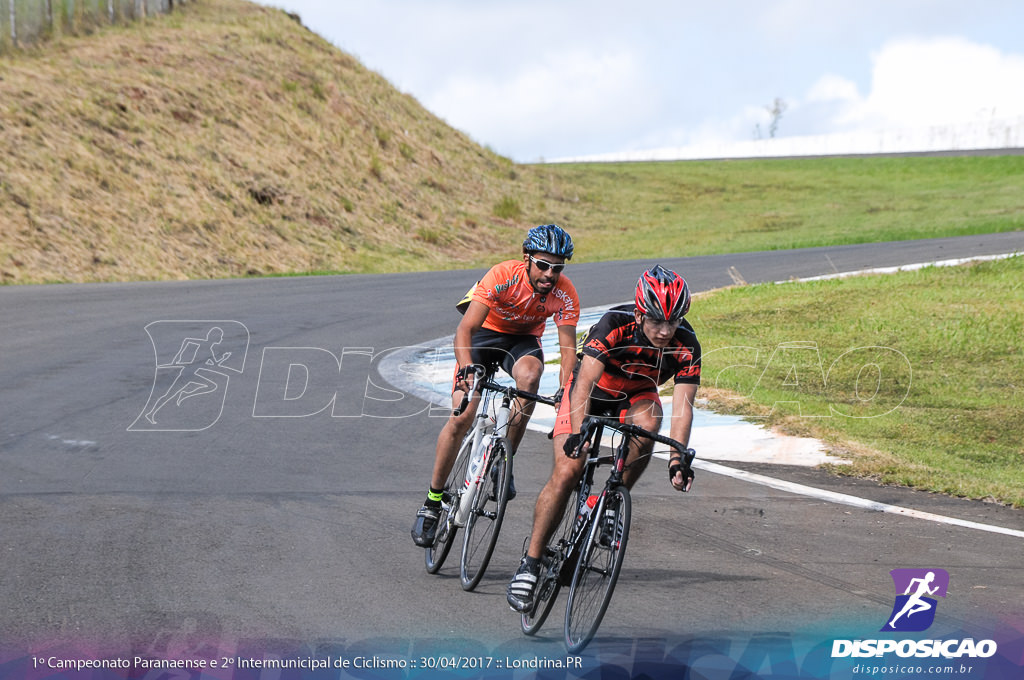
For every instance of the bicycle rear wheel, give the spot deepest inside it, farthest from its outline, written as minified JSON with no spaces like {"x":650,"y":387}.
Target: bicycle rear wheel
{"x":487,"y":514}
{"x":552,"y":575}
{"x":436,"y":554}
{"x":547,"y":593}
{"x":598,"y":569}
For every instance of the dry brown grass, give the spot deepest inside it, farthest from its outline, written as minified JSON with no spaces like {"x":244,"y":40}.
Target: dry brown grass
{"x":226,"y":140}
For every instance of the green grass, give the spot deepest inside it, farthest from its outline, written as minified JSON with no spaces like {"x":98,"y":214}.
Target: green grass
{"x":508,"y":208}
{"x":919,"y":375}
{"x":643,"y":210}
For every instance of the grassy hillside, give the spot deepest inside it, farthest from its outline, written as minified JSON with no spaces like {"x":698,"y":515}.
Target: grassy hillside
{"x":226,"y":139}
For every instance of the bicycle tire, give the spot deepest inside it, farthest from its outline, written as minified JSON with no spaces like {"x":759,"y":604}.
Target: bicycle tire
{"x":594,"y":580}
{"x":435,"y":555}
{"x":486,"y":516}
{"x":547,"y":592}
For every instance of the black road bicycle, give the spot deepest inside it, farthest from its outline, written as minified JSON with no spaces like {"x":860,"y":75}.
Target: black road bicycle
{"x":587,"y":549}
{"x":476,"y":492}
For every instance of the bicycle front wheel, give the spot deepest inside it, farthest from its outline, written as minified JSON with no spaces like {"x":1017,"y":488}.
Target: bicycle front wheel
{"x":486,"y":516}
{"x":446,"y":529}
{"x":598,"y":569}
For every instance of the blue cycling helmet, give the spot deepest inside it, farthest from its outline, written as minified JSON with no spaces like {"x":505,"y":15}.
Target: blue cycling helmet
{"x":549,"y":238}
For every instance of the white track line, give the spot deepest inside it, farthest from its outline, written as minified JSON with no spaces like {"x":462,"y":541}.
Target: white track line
{"x":905,"y":267}
{"x":844,"y":499}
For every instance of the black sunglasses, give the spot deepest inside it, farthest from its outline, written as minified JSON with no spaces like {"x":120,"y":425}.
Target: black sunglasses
{"x":544,"y":265}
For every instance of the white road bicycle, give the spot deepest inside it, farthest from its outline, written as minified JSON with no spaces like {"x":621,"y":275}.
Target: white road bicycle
{"x":476,"y":492}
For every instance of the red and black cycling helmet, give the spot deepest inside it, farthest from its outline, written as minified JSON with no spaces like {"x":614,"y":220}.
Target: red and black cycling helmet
{"x":549,"y":238}
{"x":662,"y":295}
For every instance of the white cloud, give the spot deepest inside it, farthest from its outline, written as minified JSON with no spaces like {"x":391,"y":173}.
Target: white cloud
{"x":752,"y":122}
{"x":534,"y":78}
{"x":833,"y":88}
{"x":570,"y":95}
{"x":917,"y":83}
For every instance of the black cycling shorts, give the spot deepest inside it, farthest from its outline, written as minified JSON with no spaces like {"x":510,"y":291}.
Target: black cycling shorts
{"x":504,"y":350}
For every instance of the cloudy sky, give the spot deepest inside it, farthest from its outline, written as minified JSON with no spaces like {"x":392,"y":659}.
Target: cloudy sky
{"x":543,"y":79}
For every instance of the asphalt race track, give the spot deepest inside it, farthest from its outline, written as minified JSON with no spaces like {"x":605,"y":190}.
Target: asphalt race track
{"x":250,"y":514}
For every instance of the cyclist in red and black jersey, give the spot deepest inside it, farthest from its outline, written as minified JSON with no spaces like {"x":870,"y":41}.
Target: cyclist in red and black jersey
{"x":626,"y":356}
{"x":633,"y":366}
{"x":502,"y":324}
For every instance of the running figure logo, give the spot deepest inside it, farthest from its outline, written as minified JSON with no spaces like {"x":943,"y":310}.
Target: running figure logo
{"x":194,"y":363}
{"x":915,"y":605}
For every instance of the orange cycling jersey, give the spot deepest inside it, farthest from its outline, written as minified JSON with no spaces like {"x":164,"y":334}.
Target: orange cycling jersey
{"x":516,"y":308}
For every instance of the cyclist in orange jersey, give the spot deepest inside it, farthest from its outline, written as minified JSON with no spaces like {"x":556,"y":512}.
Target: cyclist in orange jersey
{"x":502,"y":324}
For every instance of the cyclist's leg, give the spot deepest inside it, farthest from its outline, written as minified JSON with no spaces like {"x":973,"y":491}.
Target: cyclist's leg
{"x":527,"y":367}
{"x":644,"y":411}
{"x":547,"y":513}
{"x":527,"y":374}
{"x":451,"y":435}
{"x":424,"y":528}
{"x":551,"y":501}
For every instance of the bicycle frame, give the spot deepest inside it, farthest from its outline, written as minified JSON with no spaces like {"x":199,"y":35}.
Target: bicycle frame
{"x":480,"y":449}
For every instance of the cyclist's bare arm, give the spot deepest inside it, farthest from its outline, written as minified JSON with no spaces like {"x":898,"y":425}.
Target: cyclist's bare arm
{"x":591,"y":371}
{"x":567,"y":350}
{"x":683,"y":395}
{"x":471,"y":322}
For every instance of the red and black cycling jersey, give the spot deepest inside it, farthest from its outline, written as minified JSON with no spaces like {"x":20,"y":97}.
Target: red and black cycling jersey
{"x":631,"y":363}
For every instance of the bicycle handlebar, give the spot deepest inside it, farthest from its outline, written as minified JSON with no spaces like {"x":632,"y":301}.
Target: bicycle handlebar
{"x":488,"y":383}
{"x":591,"y":423}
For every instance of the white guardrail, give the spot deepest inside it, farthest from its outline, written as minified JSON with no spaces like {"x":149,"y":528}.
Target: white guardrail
{"x":973,"y":136}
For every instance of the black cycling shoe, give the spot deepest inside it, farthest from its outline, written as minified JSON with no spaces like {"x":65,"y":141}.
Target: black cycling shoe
{"x":511,"y":486}
{"x":424,"y":529}
{"x":521,"y":587}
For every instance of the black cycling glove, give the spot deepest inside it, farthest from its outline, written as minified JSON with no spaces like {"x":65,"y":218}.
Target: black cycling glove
{"x":466,"y":371}
{"x":572,"y":445}
{"x":687,"y":471}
